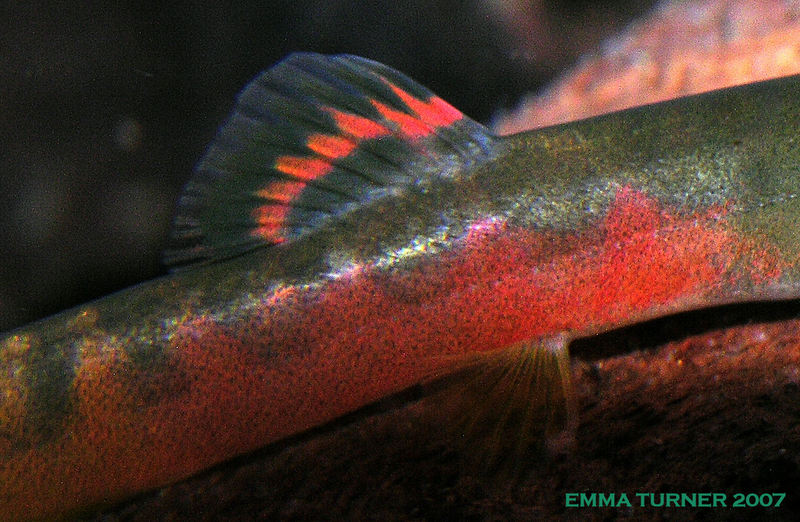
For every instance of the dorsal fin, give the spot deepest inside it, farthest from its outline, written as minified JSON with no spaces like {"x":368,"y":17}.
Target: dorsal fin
{"x":312,"y":138}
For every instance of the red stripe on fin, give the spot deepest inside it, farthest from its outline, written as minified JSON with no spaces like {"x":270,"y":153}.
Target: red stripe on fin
{"x":311,"y":139}
{"x":282,"y":191}
{"x":305,"y":168}
{"x":357,"y":126}
{"x":435,"y":111}
{"x":269,"y":220}
{"x":409,"y":126}
{"x":331,"y":146}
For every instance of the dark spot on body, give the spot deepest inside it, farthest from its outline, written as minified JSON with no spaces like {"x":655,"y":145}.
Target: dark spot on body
{"x":49,"y":374}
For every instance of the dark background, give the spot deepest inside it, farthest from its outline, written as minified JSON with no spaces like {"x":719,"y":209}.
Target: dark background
{"x":105,"y":110}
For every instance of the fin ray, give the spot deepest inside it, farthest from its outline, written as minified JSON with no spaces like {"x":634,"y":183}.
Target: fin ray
{"x":310,"y":139}
{"x":511,"y":405}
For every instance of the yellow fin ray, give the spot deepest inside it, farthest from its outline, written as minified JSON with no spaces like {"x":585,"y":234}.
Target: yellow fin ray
{"x":509,"y":405}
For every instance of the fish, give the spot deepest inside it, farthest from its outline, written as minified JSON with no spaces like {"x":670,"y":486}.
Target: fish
{"x":349,"y":234}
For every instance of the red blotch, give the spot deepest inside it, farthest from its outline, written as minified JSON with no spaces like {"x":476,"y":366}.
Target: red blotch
{"x":410,"y":126}
{"x":303,"y":168}
{"x":270,"y":220}
{"x":435,"y":111}
{"x":331,"y":146}
{"x":268,"y":214}
{"x":357,"y":126}
{"x":282,"y":191}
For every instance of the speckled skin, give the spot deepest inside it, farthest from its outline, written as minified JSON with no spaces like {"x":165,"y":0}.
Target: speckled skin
{"x":576,"y":229}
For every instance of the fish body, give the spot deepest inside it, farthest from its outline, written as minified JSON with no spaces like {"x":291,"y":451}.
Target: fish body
{"x":349,"y":235}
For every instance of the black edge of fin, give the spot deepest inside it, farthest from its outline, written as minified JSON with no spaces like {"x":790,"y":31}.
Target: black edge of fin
{"x":309,"y":139}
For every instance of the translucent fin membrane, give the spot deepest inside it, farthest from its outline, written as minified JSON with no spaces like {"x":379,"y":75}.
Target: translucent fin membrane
{"x":312,"y":138}
{"x":512,"y":405}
